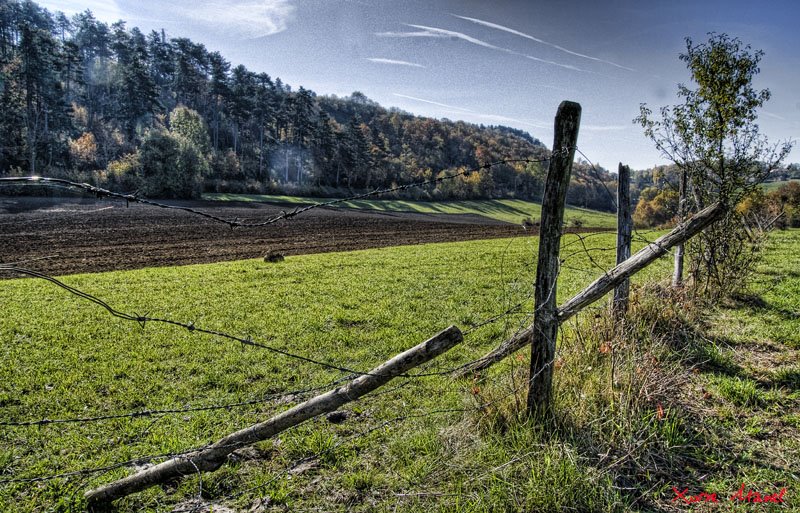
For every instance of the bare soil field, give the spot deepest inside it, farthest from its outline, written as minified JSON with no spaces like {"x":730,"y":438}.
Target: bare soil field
{"x":76,"y":235}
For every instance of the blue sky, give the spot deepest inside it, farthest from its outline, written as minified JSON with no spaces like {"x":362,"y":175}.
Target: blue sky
{"x":502,"y":62}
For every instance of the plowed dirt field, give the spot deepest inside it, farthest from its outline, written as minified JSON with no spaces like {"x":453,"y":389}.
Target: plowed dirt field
{"x":75,"y":235}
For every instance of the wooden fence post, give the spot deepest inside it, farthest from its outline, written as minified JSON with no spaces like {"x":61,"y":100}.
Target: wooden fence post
{"x":677,"y":273}
{"x":603,"y":285}
{"x":214,"y":456}
{"x":545,"y":320}
{"x":624,"y":228}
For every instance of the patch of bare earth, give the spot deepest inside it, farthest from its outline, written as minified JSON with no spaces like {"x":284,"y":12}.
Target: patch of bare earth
{"x":76,"y":235}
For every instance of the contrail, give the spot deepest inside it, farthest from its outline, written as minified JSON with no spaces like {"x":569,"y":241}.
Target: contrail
{"x":541,"y":41}
{"x":381,"y":60}
{"x":431,"y":102}
{"x":439,"y":32}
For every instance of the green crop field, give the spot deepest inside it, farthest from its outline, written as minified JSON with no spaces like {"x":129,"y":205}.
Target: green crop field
{"x":771,"y":186}
{"x":352,"y":309}
{"x":509,"y":210}
{"x":422,"y":444}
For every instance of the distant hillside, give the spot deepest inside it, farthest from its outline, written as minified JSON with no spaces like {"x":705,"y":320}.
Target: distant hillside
{"x":168,"y":117}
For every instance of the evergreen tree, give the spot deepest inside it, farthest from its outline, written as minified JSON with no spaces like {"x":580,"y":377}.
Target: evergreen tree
{"x":220,"y":92}
{"x":43,"y":94}
{"x":191,"y":65}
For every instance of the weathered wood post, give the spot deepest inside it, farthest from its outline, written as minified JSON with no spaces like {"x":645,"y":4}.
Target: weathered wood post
{"x":602,"y":285}
{"x":677,"y":273}
{"x":624,"y":229}
{"x":545,"y":320}
{"x":215,"y":455}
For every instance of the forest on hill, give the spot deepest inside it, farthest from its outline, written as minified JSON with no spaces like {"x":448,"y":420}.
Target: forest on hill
{"x":169,"y":118}
{"x":166,"y":117}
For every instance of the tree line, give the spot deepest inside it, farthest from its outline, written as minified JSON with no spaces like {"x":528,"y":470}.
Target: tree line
{"x":655,"y":195}
{"x":167,"y":117}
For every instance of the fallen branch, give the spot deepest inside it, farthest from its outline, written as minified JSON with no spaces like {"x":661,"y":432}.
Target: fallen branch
{"x":604,"y":284}
{"x":213,"y":457}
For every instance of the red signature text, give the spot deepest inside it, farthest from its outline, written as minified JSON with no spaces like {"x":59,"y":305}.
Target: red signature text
{"x":691,"y":499}
{"x":754,"y":496}
{"x":742,"y":495}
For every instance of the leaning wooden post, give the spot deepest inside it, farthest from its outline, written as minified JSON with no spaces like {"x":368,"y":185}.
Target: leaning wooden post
{"x":545,"y":320}
{"x":624,"y":228}
{"x":215,"y":455}
{"x":603,"y":285}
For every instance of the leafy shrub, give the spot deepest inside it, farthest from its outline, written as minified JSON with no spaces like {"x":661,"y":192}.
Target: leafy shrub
{"x":172,"y":166}
{"x":655,"y":208}
{"x":124,"y":174}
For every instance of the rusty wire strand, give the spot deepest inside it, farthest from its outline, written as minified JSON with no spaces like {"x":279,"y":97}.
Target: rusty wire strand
{"x":233,"y":223}
{"x":142,"y":320}
{"x":107,"y":468}
{"x":191,"y":409}
{"x":480,"y":407}
{"x":597,"y":177}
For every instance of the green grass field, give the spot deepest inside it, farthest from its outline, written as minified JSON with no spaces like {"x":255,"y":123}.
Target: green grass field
{"x":771,"y":186}
{"x":408,"y":447}
{"x":509,"y":210}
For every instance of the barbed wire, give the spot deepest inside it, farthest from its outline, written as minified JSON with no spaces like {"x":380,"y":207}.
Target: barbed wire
{"x":147,"y":459}
{"x":588,"y":253}
{"x":600,"y":180}
{"x":142,"y":320}
{"x":498,"y":317}
{"x":189,"y":409}
{"x":106,"y":468}
{"x":233,"y":223}
{"x":636,"y":234}
{"x":481,"y":407}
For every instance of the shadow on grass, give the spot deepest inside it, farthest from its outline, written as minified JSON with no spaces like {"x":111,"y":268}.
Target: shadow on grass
{"x":756,"y":303}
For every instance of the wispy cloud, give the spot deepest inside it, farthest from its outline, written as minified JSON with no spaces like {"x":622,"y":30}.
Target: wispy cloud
{"x":431,"y":102}
{"x":604,"y":128}
{"x":435,"y":32}
{"x":541,"y":41}
{"x":773,"y":115}
{"x":469,"y":113}
{"x":245,"y":18}
{"x":381,"y":60}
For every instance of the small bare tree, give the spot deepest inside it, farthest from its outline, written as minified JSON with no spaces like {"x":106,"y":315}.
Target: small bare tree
{"x":715,"y":141}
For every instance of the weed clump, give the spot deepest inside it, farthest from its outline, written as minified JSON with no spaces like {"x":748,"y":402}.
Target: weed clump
{"x":273,"y":256}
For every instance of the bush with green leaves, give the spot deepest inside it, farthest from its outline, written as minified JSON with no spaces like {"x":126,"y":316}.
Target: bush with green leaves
{"x":713,"y":138}
{"x":172,"y":166}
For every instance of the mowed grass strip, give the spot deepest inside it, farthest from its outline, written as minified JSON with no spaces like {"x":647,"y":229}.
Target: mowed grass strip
{"x":508,"y":210}
{"x":64,"y":357}
{"x":771,"y":186}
